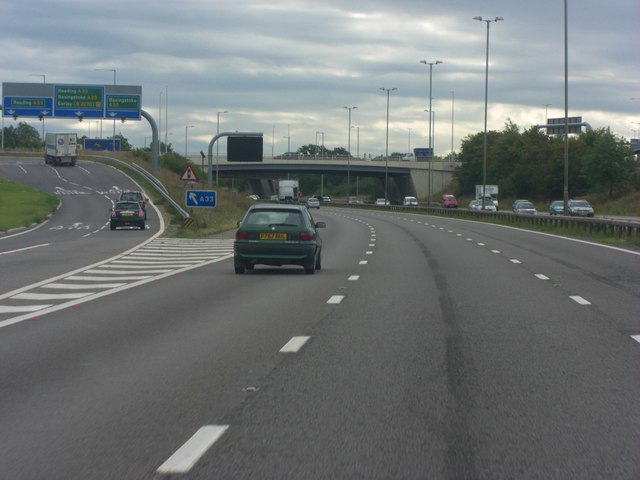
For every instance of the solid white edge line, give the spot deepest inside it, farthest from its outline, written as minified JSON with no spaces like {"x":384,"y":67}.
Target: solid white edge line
{"x":294,"y":345}
{"x":188,"y":454}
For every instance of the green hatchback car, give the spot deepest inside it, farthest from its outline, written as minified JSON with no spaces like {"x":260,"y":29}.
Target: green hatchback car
{"x":276,"y":235}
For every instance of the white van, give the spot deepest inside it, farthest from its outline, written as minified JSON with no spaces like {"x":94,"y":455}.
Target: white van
{"x":410,"y":201}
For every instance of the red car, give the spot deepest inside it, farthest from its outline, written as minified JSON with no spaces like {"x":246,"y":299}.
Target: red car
{"x":448,"y":201}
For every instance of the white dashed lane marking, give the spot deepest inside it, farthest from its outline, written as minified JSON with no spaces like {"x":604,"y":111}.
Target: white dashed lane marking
{"x":335,"y":299}
{"x":294,"y":345}
{"x":579,"y":300}
{"x":188,"y":454}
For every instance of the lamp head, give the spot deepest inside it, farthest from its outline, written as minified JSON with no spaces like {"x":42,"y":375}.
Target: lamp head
{"x":497,"y":19}
{"x":478,"y":18}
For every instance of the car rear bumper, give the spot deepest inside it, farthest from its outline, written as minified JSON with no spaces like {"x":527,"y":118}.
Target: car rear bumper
{"x":276,"y":253}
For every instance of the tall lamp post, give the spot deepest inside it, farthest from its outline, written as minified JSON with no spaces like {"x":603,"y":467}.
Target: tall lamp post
{"x":322,"y":147}
{"x":357,"y":140}
{"x":349,"y":152}
{"x":452,"y":156}
{"x":431,"y":64}
{"x":217,"y":146}
{"x":44,"y":77}
{"x":113,"y":144}
{"x":486,"y":96}
{"x":159,"y":120}
{"x":386,"y":150}
{"x":186,"y":129}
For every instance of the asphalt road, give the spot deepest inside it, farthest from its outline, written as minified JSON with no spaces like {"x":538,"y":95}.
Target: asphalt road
{"x":425,"y":348}
{"x":75,"y":235}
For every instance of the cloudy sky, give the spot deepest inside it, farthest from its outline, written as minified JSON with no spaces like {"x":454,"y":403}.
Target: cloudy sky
{"x":288,"y":67}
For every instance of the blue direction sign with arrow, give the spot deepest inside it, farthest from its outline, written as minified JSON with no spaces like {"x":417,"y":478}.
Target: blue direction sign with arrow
{"x":200,"y":198}
{"x":123,"y":107}
{"x":82,"y":101}
{"x":27,"y":106}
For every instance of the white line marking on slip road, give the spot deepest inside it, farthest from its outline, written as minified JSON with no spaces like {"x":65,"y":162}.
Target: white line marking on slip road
{"x":353,"y":278}
{"x":578,"y":299}
{"x":188,"y":454}
{"x":363,"y":262}
{"x":25,"y":248}
{"x":541,"y":276}
{"x":636,"y":338}
{"x":336,"y":299}
{"x":295,"y":344}
{"x":515,"y":260}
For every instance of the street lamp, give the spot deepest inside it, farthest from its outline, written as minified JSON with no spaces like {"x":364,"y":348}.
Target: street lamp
{"x":432,"y":121}
{"x":114,"y":82}
{"x":44,"y":77}
{"x":386,"y":151}
{"x":160,"y":121}
{"x":217,"y":145}
{"x":357,"y":140}
{"x":186,"y":129}
{"x":452,"y":156}
{"x":546,"y":114}
{"x":431,"y":64}
{"x":321,"y":148}
{"x":486,"y":95}
{"x":349,"y":152}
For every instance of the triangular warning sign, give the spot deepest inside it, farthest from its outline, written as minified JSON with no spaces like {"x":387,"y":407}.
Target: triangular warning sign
{"x":189,"y":175}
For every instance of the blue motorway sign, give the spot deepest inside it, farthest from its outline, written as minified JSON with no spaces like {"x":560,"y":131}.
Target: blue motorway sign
{"x":200,"y":198}
{"x":123,"y":107}
{"x":116,"y":102}
{"x":102,"y":144}
{"x":423,"y":154}
{"x":27,"y":106}
{"x":79,"y":101}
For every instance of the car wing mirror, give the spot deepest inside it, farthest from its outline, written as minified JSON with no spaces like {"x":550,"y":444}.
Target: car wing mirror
{"x":321,"y":225}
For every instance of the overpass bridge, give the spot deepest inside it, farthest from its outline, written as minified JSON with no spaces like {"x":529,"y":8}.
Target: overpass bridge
{"x":408,"y":177}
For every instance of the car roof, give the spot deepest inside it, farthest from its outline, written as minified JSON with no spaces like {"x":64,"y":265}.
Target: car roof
{"x":278,"y":206}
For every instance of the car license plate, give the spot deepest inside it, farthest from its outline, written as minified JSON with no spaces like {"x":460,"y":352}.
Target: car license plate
{"x":273,"y":236}
{"x":127,"y":214}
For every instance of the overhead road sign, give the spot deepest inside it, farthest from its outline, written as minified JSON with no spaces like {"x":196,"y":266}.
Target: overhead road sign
{"x":244,"y":149}
{"x":200,"y":198}
{"x":27,"y":107}
{"x":111,"y":102}
{"x":123,"y":107}
{"x":555,"y":126}
{"x":423,"y":154}
{"x":79,"y":101}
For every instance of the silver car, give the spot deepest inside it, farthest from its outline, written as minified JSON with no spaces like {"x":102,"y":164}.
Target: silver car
{"x":580,"y":208}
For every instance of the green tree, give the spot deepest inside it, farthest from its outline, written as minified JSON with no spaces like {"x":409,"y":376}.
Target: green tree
{"x":22,"y":136}
{"x":607,"y":162}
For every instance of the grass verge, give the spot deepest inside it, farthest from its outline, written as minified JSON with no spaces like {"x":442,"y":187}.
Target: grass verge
{"x":22,"y":206}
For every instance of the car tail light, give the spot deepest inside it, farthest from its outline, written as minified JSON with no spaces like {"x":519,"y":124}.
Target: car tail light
{"x":140,"y":213}
{"x":113,"y":213}
{"x":306,"y":236}
{"x":241,"y":235}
